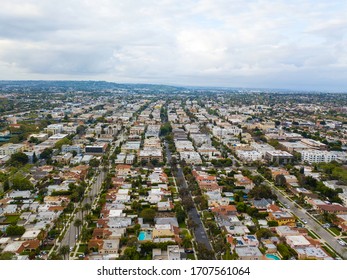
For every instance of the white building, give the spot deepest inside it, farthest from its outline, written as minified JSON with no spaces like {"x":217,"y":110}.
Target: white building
{"x":54,"y":128}
{"x":249,"y":156}
{"x":191,"y":157}
{"x":71,"y":148}
{"x":262,"y":148}
{"x":316,"y":156}
{"x":10,"y":149}
{"x":222,"y":132}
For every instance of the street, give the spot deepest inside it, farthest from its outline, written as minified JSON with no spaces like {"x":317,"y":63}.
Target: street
{"x":72,"y":231}
{"x":199,"y":232}
{"x":311,"y":223}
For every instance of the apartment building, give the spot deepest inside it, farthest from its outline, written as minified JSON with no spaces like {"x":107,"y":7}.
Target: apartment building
{"x":316,"y":156}
{"x":10,"y":149}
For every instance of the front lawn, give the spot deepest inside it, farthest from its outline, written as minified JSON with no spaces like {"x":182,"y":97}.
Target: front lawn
{"x":82,"y":248}
{"x":12,"y":219}
{"x":335,"y":230}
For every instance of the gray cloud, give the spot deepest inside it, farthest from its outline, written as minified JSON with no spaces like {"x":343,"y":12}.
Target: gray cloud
{"x":198,"y":42}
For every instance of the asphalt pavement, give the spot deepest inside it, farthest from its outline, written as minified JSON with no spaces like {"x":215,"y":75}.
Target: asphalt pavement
{"x":200,"y":234}
{"x":311,"y":224}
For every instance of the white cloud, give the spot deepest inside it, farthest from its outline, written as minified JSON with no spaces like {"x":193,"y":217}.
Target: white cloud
{"x":286,"y":44}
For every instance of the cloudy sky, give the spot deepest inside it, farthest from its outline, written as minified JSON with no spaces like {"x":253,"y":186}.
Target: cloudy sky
{"x":296,"y":44}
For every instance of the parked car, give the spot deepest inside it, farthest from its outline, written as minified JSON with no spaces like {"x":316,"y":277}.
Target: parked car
{"x":189,"y":251}
{"x":341,"y":242}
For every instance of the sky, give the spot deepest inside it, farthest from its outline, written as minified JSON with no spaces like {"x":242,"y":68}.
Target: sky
{"x":296,"y":44}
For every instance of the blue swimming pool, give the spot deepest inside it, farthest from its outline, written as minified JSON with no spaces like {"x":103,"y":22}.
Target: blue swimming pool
{"x":272,"y":257}
{"x":142,"y":235}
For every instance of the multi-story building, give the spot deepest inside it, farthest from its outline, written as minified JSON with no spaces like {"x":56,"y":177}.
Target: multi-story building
{"x":10,"y":149}
{"x":71,"y":148}
{"x":150,"y":154}
{"x":248,"y":156}
{"x":54,"y":128}
{"x":315,"y":156}
{"x":314,"y":144}
{"x":262,"y":148}
{"x":96,"y":149}
{"x":281,"y":157}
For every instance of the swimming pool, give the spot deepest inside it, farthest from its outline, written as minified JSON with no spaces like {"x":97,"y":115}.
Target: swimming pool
{"x":142,"y":235}
{"x":272,"y":257}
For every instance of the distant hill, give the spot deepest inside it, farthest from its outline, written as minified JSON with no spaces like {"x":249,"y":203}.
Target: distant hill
{"x":64,"y":86}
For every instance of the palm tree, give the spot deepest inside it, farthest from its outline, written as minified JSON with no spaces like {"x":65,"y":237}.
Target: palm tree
{"x":64,"y":250}
{"x":77,"y":223}
{"x":87,"y":207}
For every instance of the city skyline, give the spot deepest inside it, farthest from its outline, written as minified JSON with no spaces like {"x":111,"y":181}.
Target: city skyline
{"x":261,"y":44}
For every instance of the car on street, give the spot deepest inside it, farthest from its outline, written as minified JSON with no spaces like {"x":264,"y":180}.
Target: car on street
{"x":189,"y":251}
{"x":304,"y":221}
{"x":341,"y":242}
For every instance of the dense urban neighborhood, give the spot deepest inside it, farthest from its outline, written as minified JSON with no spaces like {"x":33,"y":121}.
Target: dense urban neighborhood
{"x":105,"y":171}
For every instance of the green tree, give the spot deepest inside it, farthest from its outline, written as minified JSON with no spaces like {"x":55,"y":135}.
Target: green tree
{"x":19,"y":182}
{"x":6,"y":256}
{"x":272,"y":223}
{"x":46,"y":153}
{"x":78,"y":223}
{"x":148,"y":214}
{"x":130,"y":253}
{"x":81,"y":130}
{"x":264,"y":233}
{"x":64,"y":251}
{"x":18,"y":159}
{"x":204,"y":253}
{"x":180,"y":215}
{"x":94,"y":162}
{"x":263,"y":191}
{"x":14,"y":230}
{"x":280,"y":180}
{"x":60,"y":143}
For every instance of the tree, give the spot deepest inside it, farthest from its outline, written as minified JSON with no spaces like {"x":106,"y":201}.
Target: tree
{"x":46,"y":153}
{"x":81,"y":129}
{"x":130,"y":253}
{"x":14,"y":230}
{"x":148,"y":214}
{"x":18,"y":159}
{"x":280,"y":180}
{"x":94,"y":162}
{"x":187,"y":202}
{"x":33,"y":140}
{"x":165,"y":129}
{"x":191,"y":224}
{"x":35,"y":159}
{"x":263,"y":233}
{"x":77,"y":223}
{"x":6,"y":256}
{"x":241,"y":207}
{"x":19,"y":182}
{"x":180,"y":215}
{"x":204,"y":253}
{"x":272,"y":223}
{"x":64,"y":250}
{"x":259,"y":192}
{"x":60,"y":143}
